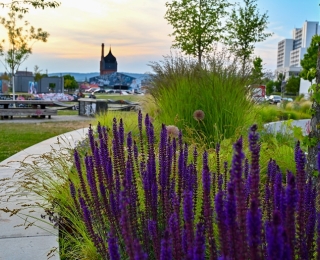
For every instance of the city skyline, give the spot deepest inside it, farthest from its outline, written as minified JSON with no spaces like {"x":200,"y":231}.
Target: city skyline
{"x":137,"y":33}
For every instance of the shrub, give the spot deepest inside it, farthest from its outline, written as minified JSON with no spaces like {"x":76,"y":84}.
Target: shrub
{"x":218,"y":89}
{"x":305,"y":106}
{"x":139,"y":205}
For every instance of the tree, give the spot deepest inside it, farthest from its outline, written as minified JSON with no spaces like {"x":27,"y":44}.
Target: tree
{"x":293,"y":85}
{"x":23,"y":5}
{"x":20,"y":40}
{"x":257,"y":71}
{"x":37,"y":74}
{"x":270,"y":87}
{"x":314,"y":135}
{"x":309,"y":61}
{"x":196,"y":24}
{"x":245,"y":28}
{"x":70,"y":82}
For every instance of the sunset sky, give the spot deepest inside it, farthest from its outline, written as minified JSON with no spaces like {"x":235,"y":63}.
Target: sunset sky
{"x":136,"y":31}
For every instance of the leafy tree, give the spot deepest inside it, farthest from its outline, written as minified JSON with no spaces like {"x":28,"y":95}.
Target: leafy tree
{"x":20,"y":41}
{"x":196,"y":24}
{"x":37,"y":74}
{"x":257,"y":71}
{"x":245,"y":28}
{"x":270,"y":87}
{"x":293,"y":84}
{"x":23,"y":5}
{"x":70,"y":82}
{"x":311,"y":64}
{"x":309,"y":61}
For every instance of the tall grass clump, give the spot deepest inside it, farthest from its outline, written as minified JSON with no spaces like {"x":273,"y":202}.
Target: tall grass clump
{"x":140,"y":200}
{"x":218,"y":89}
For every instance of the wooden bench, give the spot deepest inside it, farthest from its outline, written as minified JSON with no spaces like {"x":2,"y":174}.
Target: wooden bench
{"x":34,"y":112}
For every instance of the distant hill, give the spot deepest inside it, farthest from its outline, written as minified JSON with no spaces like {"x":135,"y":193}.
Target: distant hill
{"x":78,"y":76}
{"x":86,"y":76}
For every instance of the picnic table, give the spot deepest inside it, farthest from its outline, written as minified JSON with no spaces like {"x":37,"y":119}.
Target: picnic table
{"x":34,"y":108}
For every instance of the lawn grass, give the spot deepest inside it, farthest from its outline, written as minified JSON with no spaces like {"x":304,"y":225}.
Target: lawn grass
{"x":16,"y":137}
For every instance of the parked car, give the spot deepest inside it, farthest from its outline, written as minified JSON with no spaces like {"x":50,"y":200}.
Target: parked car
{"x":99,"y":91}
{"x":110,"y":91}
{"x":274,"y":99}
{"x":287,"y":99}
{"x":90,"y":90}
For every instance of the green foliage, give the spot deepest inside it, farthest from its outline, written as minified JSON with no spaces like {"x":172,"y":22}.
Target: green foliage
{"x":245,"y":28}
{"x":37,"y":74}
{"x":20,"y":40}
{"x":278,"y":82}
{"x":70,"y":82}
{"x":271,"y":113}
{"x":257,"y":71}
{"x":196,"y":24}
{"x":52,"y":86}
{"x":293,"y":84}
{"x":269,"y":87}
{"x":181,"y":87}
{"x":23,"y":5}
{"x":309,"y":61}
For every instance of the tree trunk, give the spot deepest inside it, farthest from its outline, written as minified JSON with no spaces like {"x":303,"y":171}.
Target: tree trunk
{"x":314,"y":126}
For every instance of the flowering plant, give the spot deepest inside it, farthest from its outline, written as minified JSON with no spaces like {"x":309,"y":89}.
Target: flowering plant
{"x":141,"y":203}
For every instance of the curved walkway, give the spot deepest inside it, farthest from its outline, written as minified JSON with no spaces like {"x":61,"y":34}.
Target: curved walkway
{"x":17,"y":239}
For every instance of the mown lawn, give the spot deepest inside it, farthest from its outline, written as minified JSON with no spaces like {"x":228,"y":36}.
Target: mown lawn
{"x":16,"y":137}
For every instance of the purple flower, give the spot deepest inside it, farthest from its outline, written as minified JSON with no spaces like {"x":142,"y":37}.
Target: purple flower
{"x":166,"y":250}
{"x":221,"y":221}
{"x":291,"y":200}
{"x":113,"y":248}
{"x":138,"y":252}
{"x":254,"y":230}
{"x":255,"y":167}
{"x":275,"y":240}
{"x":175,"y":234}
{"x":199,"y":243}
{"x":231,"y":215}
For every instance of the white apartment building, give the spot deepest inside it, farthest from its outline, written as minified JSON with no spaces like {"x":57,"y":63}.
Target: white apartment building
{"x":291,"y":51}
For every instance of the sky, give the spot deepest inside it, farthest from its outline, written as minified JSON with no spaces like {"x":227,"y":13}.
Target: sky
{"x":136,"y":31}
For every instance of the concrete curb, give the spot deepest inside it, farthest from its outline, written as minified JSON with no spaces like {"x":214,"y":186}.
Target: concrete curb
{"x":17,"y":239}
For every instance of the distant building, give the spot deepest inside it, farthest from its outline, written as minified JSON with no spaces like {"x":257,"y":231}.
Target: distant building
{"x":108,"y":64}
{"x":122,"y":80}
{"x":24,"y":82}
{"x":291,"y":51}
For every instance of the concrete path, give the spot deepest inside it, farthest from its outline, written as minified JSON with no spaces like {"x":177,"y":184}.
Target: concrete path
{"x":18,"y":240}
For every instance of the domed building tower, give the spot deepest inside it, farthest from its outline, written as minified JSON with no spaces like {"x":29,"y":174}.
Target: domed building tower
{"x":108,"y":64}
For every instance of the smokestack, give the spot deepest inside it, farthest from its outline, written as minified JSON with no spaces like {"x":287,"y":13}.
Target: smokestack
{"x":102,"y":50}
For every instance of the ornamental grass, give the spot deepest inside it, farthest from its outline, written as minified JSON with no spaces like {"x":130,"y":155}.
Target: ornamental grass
{"x":150,"y":198}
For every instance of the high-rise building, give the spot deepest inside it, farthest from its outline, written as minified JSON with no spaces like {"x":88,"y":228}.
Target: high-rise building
{"x":291,"y":51}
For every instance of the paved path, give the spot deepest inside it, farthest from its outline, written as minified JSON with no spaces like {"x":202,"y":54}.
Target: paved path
{"x":18,"y":242}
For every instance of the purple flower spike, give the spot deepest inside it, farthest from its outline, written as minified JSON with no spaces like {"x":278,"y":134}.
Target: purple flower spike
{"x":255,"y":167}
{"x":222,"y":225}
{"x":254,"y":230}
{"x":241,"y":209}
{"x":291,"y":201}
{"x":166,"y":250}
{"x":232,"y":226}
{"x":188,"y":219}
{"x":113,"y":248}
{"x":275,"y":241}
{"x":199,"y":243}
{"x":138,"y":252}
{"x":175,"y":233}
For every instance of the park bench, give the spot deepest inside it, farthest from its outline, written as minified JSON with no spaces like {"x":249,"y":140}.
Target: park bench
{"x":32,"y":112}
